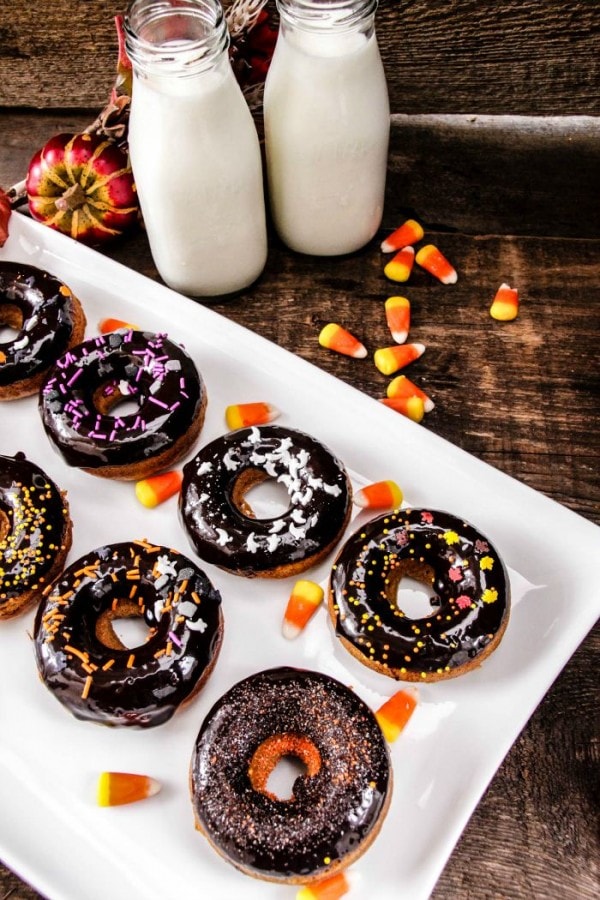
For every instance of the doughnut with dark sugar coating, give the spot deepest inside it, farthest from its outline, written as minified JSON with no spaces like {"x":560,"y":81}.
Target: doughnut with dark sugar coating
{"x":337,"y":806}
{"x":48,"y":319}
{"x":81,"y":392}
{"x":35,"y":533}
{"x":220,"y":524}
{"x":470,"y":605}
{"x":83,"y":662}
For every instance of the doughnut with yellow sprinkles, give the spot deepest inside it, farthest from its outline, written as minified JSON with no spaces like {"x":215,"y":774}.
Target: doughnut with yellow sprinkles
{"x":35,"y":533}
{"x":470,"y":605}
{"x":83,"y":661}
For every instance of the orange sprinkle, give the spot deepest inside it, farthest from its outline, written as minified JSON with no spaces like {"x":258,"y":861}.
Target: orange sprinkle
{"x":158,"y":488}
{"x":117,"y":788}
{"x":131,"y":661}
{"x":196,"y":598}
{"x":305,"y":599}
{"x":395,"y":713}
{"x":408,"y":233}
{"x":397,"y":314}
{"x":242,"y":415}
{"x":379,"y":495}
{"x":331,"y":888}
{"x":433,"y":261}
{"x":505,"y":305}
{"x":389,"y":359}
{"x":411,"y":407}
{"x":108,"y":665}
{"x":84,"y":657}
{"x":107,"y":325}
{"x":401,"y":265}
{"x":334,"y":337}
{"x":401,"y":386}
{"x":86,"y":687}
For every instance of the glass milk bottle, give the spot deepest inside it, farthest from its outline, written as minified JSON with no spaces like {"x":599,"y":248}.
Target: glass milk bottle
{"x":327,"y":122}
{"x":194,"y":149}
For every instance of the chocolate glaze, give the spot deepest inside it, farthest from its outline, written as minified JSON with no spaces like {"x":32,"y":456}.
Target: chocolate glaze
{"x":330,"y":813}
{"x":37,"y":520}
{"x":144,"y":685}
{"x":148,"y":368}
{"x":472,"y":594}
{"x":45,"y":305}
{"x":316,"y":482}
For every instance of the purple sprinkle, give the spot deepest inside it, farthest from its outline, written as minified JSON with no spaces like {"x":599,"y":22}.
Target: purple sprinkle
{"x":74,"y":377}
{"x":175,"y":405}
{"x":158,"y":402}
{"x":175,"y":639}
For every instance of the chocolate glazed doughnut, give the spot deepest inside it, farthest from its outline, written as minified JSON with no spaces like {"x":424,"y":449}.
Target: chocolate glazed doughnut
{"x":35,"y":533}
{"x":48,"y":319}
{"x":84,"y":664}
{"x":88,"y":381}
{"x":220,"y":524}
{"x":470,"y":607}
{"x":337,"y":807}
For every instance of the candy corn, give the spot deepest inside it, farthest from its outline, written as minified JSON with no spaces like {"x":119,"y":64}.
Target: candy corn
{"x":505,"y":305}
{"x":158,"y":488}
{"x":400,"y":266}
{"x":107,"y":325}
{"x":334,"y":337}
{"x":242,"y":415}
{"x":117,"y":788}
{"x":433,"y":261}
{"x":408,"y":233}
{"x":411,"y":407}
{"x":389,"y":359}
{"x":305,"y":599}
{"x":379,"y":495}
{"x":401,"y":386}
{"x":395,"y":713}
{"x":331,"y":888}
{"x":397,"y":314}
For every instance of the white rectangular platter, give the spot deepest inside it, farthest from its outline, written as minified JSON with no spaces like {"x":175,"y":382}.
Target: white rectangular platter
{"x":51,"y":830}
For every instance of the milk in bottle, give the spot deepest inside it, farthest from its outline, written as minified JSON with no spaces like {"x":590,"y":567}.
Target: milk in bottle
{"x":194,"y":149}
{"x":326,"y":126}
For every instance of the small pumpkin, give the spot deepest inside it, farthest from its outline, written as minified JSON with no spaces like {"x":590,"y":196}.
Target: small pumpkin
{"x":82,"y":185}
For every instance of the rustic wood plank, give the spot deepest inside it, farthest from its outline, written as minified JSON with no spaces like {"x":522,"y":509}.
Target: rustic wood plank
{"x":525,"y":58}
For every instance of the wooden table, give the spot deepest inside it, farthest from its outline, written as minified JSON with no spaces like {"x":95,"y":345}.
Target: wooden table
{"x":508,"y":198}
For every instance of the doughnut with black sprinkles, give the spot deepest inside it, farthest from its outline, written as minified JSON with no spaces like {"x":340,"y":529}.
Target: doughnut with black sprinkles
{"x":35,"y":533}
{"x":337,"y":807}
{"x":48,"y":319}
{"x":87,"y":383}
{"x":470,"y":604}
{"x":86,"y":666}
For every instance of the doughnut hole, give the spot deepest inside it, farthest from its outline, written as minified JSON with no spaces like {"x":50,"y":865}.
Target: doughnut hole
{"x":274,"y":751}
{"x":268,"y":499}
{"x":11,"y":322}
{"x":4,"y":525}
{"x":110,"y":401}
{"x":411,"y":590}
{"x":128,"y":638}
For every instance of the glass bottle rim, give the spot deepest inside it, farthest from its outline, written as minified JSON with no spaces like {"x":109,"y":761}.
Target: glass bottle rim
{"x":178,"y":37}
{"x":337,"y":15}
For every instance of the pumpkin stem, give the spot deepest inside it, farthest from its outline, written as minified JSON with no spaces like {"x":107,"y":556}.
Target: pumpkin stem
{"x":72,"y":198}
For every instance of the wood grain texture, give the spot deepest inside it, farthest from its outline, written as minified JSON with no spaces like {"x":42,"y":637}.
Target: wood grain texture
{"x":523,"y":396}
{"x":519,"y":57}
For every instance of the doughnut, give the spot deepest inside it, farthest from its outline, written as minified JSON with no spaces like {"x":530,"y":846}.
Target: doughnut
{"x":470,"y":605}
{"x":35,"y":533}
{"x":221,"y":525}
{"x":48,"y":318}
{"x":83,"y":662}
{"x":337,"y":806}
{"x":81,"y":393}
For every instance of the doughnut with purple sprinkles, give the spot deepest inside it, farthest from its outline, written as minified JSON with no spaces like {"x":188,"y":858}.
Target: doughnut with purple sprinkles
{"x":47,"y":318}
{"x":35,"y":533}
{"x":221,"y":525}
{"x":470,"y":603}
{"x":337,"y":805}
{"x":86,"y":666}
{"x":82,"y":392}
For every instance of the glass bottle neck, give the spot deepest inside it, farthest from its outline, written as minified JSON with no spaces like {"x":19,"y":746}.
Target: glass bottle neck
{"x":175,"y":37}
{"x":320,"y":16}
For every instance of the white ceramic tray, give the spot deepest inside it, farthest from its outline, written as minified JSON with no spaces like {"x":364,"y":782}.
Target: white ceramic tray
{"x":51,"y":830}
